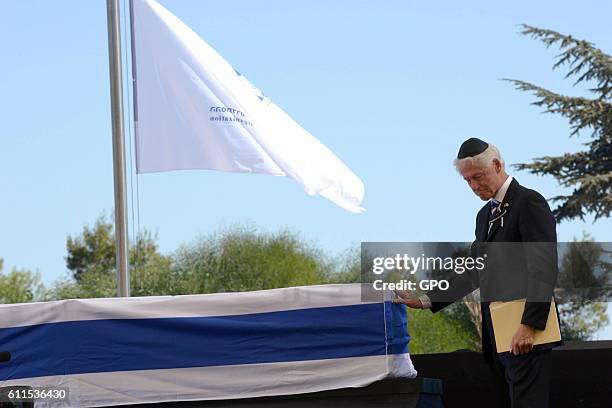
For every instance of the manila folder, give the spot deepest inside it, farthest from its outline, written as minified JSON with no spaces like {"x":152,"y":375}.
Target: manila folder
{"x":506,"y":317}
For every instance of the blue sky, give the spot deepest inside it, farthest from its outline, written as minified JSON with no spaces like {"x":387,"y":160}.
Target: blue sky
{"x":392,"y":87}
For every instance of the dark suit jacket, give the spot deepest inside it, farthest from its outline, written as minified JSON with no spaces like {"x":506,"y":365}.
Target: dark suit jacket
{"x":521,"y":261}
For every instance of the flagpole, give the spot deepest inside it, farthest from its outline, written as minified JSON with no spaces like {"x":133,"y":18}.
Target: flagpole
{"x":114,"y":61}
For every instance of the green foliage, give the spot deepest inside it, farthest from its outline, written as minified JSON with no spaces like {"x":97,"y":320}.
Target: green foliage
{"x":93,"y":251}
{"x":242,"y":259}
{"x":20,"y":286}
{"x":155,"y":277}
{"x":460,"y":316}
{"x":582,"y":321}
{"x":438,"y":333}
{"x":237,"y":259}
{"x":347,"y":267}
{"x":584,"y":277}
{"x":92,"y":284}
{"x":588,"y":172}
{"x":91,"y":260}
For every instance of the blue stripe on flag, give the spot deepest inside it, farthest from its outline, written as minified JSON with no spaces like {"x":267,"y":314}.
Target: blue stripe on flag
{"x":90,"y":346}
{"x":397,"y":328}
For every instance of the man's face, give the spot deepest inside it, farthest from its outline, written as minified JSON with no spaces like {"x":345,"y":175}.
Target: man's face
{"x":484,"y":181}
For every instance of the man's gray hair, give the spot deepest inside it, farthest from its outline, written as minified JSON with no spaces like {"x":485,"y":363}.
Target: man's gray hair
{"x":483,"y":159}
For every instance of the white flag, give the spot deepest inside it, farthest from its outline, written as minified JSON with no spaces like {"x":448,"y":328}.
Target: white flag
{"x":194,"y":111}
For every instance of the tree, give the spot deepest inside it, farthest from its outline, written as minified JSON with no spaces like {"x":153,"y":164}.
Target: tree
{"x":93,"y":251}
{"x":242,"y":259}
{"x":91,"y":260}
{"x":237,"y":259}
{"x":588,"y":172}
{"x":20,"y":286}
{"x":153,"y":278}
{"x":584,"y":282}
{"x":347,"y":267}
{"x":439,"y":332}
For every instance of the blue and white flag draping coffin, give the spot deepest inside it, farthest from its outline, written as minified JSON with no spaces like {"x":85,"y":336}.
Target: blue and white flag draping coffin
{"x":204,"y":347}
{"x":194,"y":111}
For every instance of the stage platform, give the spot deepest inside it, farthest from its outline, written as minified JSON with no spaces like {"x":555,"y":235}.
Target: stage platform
{"x":581,"y":378}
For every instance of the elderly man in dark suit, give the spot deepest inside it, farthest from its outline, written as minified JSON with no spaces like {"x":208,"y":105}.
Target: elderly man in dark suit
{"x":516,"y":229}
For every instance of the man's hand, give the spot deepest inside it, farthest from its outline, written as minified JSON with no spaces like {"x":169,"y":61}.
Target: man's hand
{"x":405,"y":300}
{"x":522,"y":341}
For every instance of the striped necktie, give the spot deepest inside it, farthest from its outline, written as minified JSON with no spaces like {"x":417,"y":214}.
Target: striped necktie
{"x":495,"y":207}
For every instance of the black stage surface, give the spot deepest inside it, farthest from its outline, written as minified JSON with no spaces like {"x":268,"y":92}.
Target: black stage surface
{"x":582,"y":376}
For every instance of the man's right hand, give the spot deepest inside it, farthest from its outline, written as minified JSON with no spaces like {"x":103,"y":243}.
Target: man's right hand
{"x":403,"y":299}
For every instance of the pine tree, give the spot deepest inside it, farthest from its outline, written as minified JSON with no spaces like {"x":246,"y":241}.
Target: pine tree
{"x":588,"y":172}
